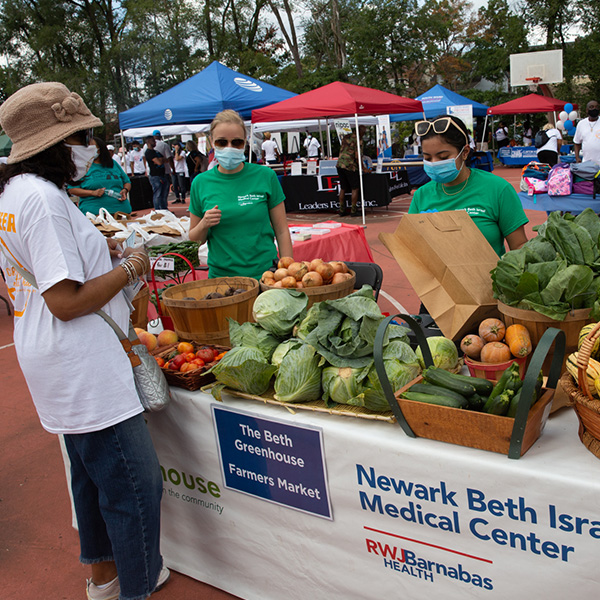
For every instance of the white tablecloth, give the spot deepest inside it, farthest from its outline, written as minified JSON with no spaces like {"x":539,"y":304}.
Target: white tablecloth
{"x":411,"y":518}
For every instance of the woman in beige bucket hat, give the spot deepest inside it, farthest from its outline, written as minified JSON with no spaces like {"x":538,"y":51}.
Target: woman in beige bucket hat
{"x":60,"y":271}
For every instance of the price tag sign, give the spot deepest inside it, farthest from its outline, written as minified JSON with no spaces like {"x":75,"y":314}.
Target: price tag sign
{"x":164,"y":263}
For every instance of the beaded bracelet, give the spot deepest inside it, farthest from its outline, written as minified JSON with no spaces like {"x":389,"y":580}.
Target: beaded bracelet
{"x":127,"y":270}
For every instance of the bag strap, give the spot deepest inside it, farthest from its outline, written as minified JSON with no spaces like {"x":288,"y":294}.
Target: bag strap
{"x":126,"y":341}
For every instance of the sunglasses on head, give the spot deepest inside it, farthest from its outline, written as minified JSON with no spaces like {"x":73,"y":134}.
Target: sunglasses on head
{"x":237,"y":143}
{"x":439,"y":126}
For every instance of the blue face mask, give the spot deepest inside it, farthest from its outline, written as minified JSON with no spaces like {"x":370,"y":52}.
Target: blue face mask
{"x":442,"y":171}
{"x":230,"y":158}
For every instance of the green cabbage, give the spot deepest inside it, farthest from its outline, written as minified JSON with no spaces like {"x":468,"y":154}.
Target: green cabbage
{"x":443,"y":352}
{"x":299,"y":375}
{"x":282,"y":350}
{"x":278,"y":311}
{"x":343,"y":330}
{"x":252,"y":335}
{"x":243,"y":369}
{"x":341,"y":384}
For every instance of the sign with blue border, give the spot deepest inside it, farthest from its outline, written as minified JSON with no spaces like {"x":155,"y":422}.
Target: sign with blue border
{"x":273,"y":460}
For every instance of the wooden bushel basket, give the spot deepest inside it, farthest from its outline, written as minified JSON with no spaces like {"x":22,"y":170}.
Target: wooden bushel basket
{"x":333,"y":291}
{"x":205,"y":321}
{"x":537,"y":324}
{"x":504,"y":435}
{"x":586,"y":406}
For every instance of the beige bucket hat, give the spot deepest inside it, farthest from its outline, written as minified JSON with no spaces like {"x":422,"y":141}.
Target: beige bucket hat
{"x":41,"y":115}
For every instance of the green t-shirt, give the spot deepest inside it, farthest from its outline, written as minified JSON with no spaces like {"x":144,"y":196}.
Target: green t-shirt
{"x":489,"y":200}
{"x":243,"y":242}
{"x":102,"y":177}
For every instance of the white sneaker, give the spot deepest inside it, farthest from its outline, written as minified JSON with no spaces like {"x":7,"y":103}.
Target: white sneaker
{"x":163,"y":577}
{"x":110,"y":592}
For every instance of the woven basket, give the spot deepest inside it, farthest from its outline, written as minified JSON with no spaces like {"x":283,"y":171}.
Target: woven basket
{"x":586,"y":406}
{"x":192,"y":380}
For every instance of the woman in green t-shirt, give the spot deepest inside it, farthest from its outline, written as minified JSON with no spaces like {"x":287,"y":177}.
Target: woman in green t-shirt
{"x":492,"y":202}
{"x":105,"y":185}
{"x":238,"y":207}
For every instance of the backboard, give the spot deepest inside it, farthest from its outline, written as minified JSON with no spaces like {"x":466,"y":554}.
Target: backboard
{"x":533,"y":68}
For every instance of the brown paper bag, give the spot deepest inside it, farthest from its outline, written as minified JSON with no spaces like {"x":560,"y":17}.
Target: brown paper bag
{"x":447,"y":260}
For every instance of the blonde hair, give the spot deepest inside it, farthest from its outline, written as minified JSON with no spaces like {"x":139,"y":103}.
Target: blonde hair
{"x":267,"y":135}
{"x":228,"y":116}
{"x":548,"y":126}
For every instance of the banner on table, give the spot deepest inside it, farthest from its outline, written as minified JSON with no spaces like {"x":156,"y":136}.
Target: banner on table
{"x":427,"y":518}
{"x":272,"y":460}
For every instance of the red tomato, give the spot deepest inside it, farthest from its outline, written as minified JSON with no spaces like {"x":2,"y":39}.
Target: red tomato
{"x":177,"y":361}
{"x":189,"y":356}
{"x":206,"y":354}
{"x":198,"y":361}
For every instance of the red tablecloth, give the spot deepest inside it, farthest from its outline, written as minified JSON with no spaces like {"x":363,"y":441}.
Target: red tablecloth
{"x":347,"y":243}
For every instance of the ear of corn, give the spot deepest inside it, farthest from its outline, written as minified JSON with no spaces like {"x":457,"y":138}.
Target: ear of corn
{"x":592,"y":373}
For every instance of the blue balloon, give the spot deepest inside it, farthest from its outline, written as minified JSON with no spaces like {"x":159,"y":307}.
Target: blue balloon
{"x":568,"y":124}
{"x":568,"y":107}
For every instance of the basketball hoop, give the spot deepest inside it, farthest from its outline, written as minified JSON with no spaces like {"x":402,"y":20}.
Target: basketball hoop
{"x":533,"y":86}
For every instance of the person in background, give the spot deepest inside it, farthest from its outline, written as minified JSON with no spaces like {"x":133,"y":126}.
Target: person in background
{"x":196,"y":161}
{"x":105,"y":185}
{"x":238,"y":207}
{"x":347,"y":168}
{"x":587,"y":135}
{"x":111,"y":151}
{"x":158,"y":178}
{"x":270,"y":152}
{"x":181,"y":171}
{"x":312,"y":146}
{"x":491,"y":201}
{"x":548,"y":153}
{"x":136,"y":161}
{"x":502,"y":135}
{"x":527,"y":133}
{"x":116,"y":481}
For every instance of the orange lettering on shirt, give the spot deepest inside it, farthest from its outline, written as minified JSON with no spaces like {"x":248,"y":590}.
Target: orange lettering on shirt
{"x":7,"y":222}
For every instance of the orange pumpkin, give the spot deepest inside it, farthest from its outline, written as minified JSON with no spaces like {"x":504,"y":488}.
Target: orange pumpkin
{"x":495,"y":352}
{"x":492,"y":330}
{"x":518,"y":340}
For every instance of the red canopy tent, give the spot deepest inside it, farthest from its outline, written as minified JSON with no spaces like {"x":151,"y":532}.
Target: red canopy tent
{"x":338,"y":99}
{"x":532,"y":103}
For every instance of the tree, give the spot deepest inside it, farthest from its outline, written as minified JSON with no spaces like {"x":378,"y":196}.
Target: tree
{"x":444,"y":27}
{"x":495,"y":34}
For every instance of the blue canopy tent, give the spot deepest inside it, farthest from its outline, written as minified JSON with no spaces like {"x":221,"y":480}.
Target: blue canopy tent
{"x":436,"y":100}
{"x":199,"y":98}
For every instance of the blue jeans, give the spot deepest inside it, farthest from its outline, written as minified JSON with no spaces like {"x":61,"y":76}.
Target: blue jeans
{"x":160,"y":191}
{"x":117,"y":488}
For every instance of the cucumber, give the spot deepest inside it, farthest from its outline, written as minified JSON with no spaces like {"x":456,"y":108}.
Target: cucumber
{"x":514,"y":404}
{"x":498,"y":405}
{"x":476,"y":402}
{"x":501,"y":384}
{"x":435,"y":399}
{"x":483,"y":387}
{"x":437,"y":376}
{"x":436,"y":390}
{"x":514,"y":383}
